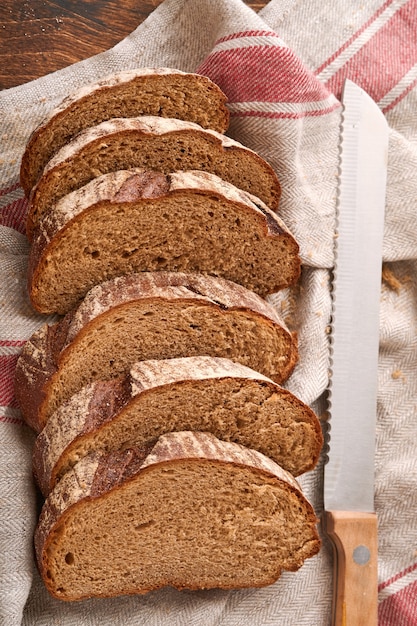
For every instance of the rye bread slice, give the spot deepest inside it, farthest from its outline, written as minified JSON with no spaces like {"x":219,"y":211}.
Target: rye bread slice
{"x":163,"y":92}
{"x":139,"y":220}
{"x":151,"y":315}
{"x":201,"y":393}
{"x":149,"y":142}
{"x":193,"y":513}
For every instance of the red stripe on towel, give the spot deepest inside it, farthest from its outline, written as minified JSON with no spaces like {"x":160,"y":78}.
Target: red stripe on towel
{"x":400,"y":609}
{"x":385,"y":59}
{"x":14,"y":215}
{"x":7,"y":370}
{"x":393,"y":579}
{"x":354,"y":36}
{"x":7,"y":190}
{"x":236,"y":71}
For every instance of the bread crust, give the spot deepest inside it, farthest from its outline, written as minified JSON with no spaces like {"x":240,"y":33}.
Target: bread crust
{"x":38,"y":365}
{"x":97,"y":476}
{"x":115,"y":133}
{"x":219,"y":292}
{"x":35,"y":365}
{"x":112,"y":91}
{"x":101,"y":405}
{"x":150,"y":193}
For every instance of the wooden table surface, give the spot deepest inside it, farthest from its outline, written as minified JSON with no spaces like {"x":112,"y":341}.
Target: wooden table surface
{"x":40,"y":36}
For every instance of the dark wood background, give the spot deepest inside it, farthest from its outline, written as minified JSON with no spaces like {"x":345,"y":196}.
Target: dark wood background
{"x":40,"y":36}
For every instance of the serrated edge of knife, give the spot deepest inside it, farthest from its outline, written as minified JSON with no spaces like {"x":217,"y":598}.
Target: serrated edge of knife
{"x":346,"y":168}
{"x":327,"y":422}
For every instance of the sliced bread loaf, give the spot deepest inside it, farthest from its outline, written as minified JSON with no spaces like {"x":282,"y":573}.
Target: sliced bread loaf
{"x":201,"y":393}
{"x":150,"y":142}
{"x":139,"y":220}
{"x":144,"y":316}
{"x":145,"y":91}
{"x":192,"y":512}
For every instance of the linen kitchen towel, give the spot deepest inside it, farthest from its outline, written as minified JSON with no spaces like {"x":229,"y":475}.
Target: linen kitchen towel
{"x":282,"y":70}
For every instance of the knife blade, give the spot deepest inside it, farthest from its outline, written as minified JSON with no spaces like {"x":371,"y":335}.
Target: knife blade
{"x":349,"y":517}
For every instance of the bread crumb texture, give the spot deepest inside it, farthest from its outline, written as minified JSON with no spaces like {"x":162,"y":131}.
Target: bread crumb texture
{"x":145,"y":91}
{"x":203,"y":393}
{"x":394,"y":279}
{"x":201,"y":514}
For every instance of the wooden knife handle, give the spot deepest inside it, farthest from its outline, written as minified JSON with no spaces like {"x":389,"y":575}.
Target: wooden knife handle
{"x":355,"y":542}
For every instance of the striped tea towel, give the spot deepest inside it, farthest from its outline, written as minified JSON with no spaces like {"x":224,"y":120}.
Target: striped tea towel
{"x":282,"y":71}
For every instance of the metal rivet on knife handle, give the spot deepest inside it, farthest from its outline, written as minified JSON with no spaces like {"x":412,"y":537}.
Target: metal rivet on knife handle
{"x":361,"y":555}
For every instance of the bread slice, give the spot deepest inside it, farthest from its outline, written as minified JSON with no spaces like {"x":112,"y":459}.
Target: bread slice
{"x":152,"y":315}
{"x":200,"y":393}
{"x":192,"y":512}
{"x":145,"y":91}
{"x":153,"y":143}
{"x":139,"y":220}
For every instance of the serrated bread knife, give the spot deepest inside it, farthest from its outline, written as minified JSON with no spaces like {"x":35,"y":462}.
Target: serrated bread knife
{"x":349,"y":517}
